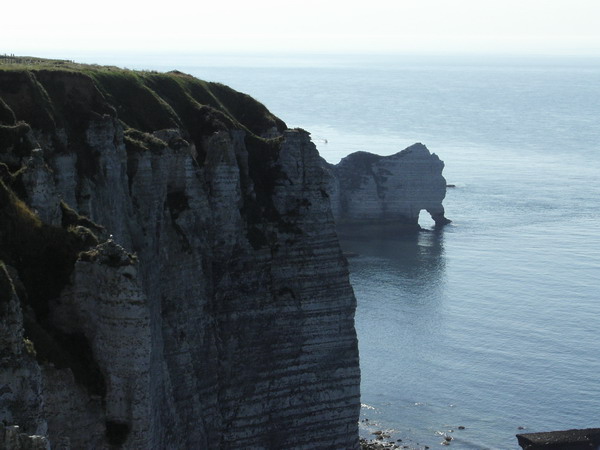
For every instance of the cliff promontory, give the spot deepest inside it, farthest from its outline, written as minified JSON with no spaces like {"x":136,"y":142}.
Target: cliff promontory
{"x":369,"y":189}
{"x":170,"y":274}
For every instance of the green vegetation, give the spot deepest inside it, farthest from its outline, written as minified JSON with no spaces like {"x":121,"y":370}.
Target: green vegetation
{"x":59,"y":100}
{"x":26,"y":98}
{"x":55,"y":95}
{"x":144,"y":100}
{"x":29,"y":347}
{"x":49,"y":95}
{"x":139,"y":141}
{"x":30,"y":61}
{"x":246,"y":110}
{"x":6,"y":287}
{"x":44,"y":257}
{"x":7,"y":116}
{"x":136,"y":105}
{"x":42,"y":254}
{"x":15,"y":139}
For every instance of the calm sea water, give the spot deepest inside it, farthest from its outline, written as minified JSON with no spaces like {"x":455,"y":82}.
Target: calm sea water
{"x":493,"y":323}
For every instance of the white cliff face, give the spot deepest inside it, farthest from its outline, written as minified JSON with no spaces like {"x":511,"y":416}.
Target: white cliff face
{"x":233,"y":324}
{"x":367,"y":188}
{"x":106,"y":304}
{"x":21,"y":387}
{"x":41,"y":190}
{"x":298,"y":293}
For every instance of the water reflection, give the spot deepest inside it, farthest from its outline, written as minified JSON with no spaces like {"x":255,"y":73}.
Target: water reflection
{"x":417,"y":257}
{"x":398,"y":281}
{"x":399,"y":285}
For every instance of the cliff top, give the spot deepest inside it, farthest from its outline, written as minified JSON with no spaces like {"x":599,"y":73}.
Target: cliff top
{"x":48,"y":94}
{"x":53,"y":105}
{"x":363,"y":161}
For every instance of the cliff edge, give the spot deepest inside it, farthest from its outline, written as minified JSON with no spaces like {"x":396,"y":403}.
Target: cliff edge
{"x":170,"y":274}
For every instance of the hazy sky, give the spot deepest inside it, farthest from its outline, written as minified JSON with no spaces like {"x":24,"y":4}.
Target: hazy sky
{"x":513,"y":26}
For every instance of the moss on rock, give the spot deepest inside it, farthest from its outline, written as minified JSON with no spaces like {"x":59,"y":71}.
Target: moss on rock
{"x":7,"y":116}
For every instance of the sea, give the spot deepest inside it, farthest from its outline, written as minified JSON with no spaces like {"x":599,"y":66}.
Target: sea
{"x":489,"y":327}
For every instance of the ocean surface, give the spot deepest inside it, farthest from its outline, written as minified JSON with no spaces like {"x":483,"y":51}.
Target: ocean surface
{"x":493,"y":323}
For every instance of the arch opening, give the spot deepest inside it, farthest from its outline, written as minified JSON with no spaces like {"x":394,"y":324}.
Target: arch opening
{"x":425,"y":220}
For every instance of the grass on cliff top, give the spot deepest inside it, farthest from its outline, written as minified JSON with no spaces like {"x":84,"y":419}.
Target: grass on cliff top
{"x":12,"y":61}
{"x":25,"y":99}
{"x":149,"y":100}
{"x":50,"y":95}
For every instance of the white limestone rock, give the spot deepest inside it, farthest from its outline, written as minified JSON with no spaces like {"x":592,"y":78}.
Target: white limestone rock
{"x":42,"y":195}
{"x":105,"y":303}
{"x":233,"y":324}
{"x":222,"y":331}
{"x":372,"y":189}
{"x":21,"y":387}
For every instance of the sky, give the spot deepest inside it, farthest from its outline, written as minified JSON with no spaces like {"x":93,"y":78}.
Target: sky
{"x":61,"y":27}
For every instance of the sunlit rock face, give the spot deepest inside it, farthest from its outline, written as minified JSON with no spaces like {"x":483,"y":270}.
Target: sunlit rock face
{"x":393,"y":190}
{"x":205,"y":301}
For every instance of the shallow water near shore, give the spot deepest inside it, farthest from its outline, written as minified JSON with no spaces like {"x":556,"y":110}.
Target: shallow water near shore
{"x":490,"y":324}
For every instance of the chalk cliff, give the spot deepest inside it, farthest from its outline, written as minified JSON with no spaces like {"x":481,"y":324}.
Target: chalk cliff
{"x":170,"y":275}
{"x":388,"y":190}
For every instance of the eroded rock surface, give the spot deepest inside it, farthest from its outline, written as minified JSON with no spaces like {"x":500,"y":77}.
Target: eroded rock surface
{"x":372,"y":189}
{"x":184,"y":287}
{"x":12,"y":437}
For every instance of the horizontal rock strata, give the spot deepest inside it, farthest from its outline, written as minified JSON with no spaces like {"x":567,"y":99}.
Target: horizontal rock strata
{"x":174,"y":270}
{"x":368,"y":189}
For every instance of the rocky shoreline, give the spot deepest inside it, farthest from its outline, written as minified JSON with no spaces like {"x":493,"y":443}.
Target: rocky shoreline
{"x":381,"y":438}
{"x":384,"y":441}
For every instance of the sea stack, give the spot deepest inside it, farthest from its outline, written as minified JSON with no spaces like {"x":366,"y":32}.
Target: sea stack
{"x":391,"y":191}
